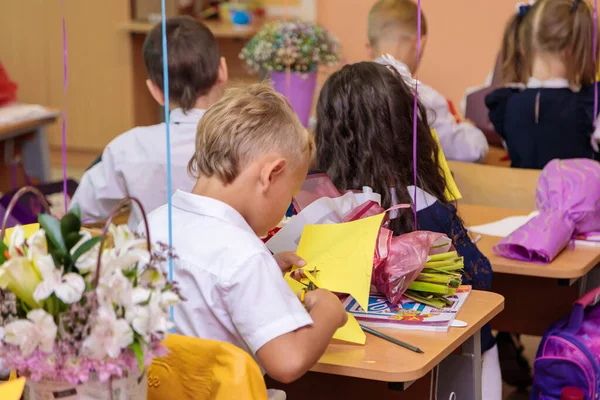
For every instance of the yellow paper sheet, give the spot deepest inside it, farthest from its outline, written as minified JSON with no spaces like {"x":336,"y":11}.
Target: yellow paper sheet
{"x":12,"y":390}
{"x":343,"y":255}
{"x":29,"y":230}
{"x":351,"y":332}
{"x":452,"y":192}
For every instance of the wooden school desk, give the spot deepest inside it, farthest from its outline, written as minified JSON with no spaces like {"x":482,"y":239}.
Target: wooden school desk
{"x":536,"y":294}
{"x":496,"y":156}
{"x":27,"y":139}
{"x":396,"y":368}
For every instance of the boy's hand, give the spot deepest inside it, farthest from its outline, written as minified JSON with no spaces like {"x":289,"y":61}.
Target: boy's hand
{"x":286,"y":259}
{"x":326,"y":299}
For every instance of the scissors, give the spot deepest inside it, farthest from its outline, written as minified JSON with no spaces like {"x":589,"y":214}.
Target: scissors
{"x":310,"y":286}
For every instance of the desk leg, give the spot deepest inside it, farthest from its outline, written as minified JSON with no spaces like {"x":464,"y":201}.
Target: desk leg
{"x":590,"y":281}
{"x":37,"y":156}
{"x":461,"y":374}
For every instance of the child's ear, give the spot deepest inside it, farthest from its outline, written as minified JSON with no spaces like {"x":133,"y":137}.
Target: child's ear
{"x":156,"y":92}
{"x":271,"y":171}
{"x":370,"y":51}
{"x":423,"y":44}
{"x":222,"y":73}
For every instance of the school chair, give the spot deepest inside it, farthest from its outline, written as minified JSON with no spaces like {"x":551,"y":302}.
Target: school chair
{"x":493,"y":186}
{"x":199,"y":369}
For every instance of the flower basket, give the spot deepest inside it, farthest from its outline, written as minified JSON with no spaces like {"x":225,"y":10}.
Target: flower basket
{"x":298,"y":47}
{"x":81,"y":318}
{"x":130,"y":387}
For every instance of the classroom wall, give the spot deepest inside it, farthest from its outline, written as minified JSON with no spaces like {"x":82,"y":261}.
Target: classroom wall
{"x":99,"y":103}
{"x":464,"y":37}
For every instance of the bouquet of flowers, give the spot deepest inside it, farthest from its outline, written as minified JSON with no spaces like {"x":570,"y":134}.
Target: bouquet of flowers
{"x":73,"y":309}
{"x":301,"y":45}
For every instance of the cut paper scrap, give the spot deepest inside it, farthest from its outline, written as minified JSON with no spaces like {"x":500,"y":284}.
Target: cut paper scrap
{"x":12,"y":390}
{"x":504,"y":227}
{"x":343,"y":255}
{"x":29,"y":230}
{"x":351,"y":332}
{"x":452,"y":192}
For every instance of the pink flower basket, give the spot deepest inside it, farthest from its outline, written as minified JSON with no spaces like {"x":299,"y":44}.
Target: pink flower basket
{"x":126,"y":388}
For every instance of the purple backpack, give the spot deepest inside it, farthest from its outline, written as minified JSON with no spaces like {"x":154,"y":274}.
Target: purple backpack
{"x":569,"y":354}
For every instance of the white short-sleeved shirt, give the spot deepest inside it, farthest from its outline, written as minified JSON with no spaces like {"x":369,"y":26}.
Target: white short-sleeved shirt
{"x":460,"y":141}
{"x":135,"y":164}
{"x":234,"y":288}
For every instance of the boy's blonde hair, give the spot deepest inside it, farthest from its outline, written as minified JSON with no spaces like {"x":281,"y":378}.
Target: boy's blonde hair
{"x":244,"y":124}
{"x":390,"y":18}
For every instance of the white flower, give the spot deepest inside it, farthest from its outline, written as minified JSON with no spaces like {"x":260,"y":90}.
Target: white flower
{"x":128,"y":251}
{"x":38,"y":246}
{"x":154,"y":278}
{"x":109,"y":335}
{"x":115,"y":288}
{"x":88,"y":261}
{"x":121,"y":235}
{"x":169,"y":299}
{"x":69,"y":287}
{"x":150,"y":318}
{"x":17,"y":240}
{"x":38,"y":329}
{"x":140,"y":295}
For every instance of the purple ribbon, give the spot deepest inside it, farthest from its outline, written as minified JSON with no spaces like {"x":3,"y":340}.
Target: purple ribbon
{"x":416,"y":111}
{"x":64,"y":111}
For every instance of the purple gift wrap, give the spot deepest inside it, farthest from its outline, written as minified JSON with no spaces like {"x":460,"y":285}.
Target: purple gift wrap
{"x":568,"y":199}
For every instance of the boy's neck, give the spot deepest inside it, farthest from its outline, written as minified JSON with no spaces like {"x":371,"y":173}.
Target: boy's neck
{"x":204,"y":102}
{"x":230,"y":194}
{"x":548,"y":66}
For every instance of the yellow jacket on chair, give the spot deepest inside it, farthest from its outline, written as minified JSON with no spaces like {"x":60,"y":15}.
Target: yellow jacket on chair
{"x":202,"y":369}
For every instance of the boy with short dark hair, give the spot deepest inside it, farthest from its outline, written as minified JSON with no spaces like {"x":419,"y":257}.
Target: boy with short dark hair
{"x":252,"y":155}
{"x":134,"y":163}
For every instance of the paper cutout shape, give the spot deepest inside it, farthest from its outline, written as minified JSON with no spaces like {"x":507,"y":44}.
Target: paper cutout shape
{"x":343,"y":254}
{"x":452,"y":192}
{"x":29,"y":229}
{"x":351,"y":332}
{"x":13,"y":389}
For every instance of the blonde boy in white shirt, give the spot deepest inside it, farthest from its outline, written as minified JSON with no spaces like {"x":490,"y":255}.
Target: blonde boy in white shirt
{"x":392,"y":30}
{"x":134,"y":163}
{"x":252,"y":155}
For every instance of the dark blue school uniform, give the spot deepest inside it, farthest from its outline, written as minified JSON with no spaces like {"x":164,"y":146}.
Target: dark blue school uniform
{"x":540,"y":124}
{"x":442,"y":218}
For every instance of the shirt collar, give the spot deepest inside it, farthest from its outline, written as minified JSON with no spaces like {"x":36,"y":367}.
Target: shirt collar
{"x":206,"y":206}
{"x":387,"y":59}
{"x":189,"y":117}
{"x":554,"y":83}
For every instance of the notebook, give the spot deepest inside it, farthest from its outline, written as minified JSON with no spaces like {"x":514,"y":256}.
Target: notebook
{"x":409,"y":315}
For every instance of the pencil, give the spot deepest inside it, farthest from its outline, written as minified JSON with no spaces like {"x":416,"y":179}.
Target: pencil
{"x":391,"y":339}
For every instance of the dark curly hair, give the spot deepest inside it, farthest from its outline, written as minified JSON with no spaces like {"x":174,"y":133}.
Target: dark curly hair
{"x":364,"y":137}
